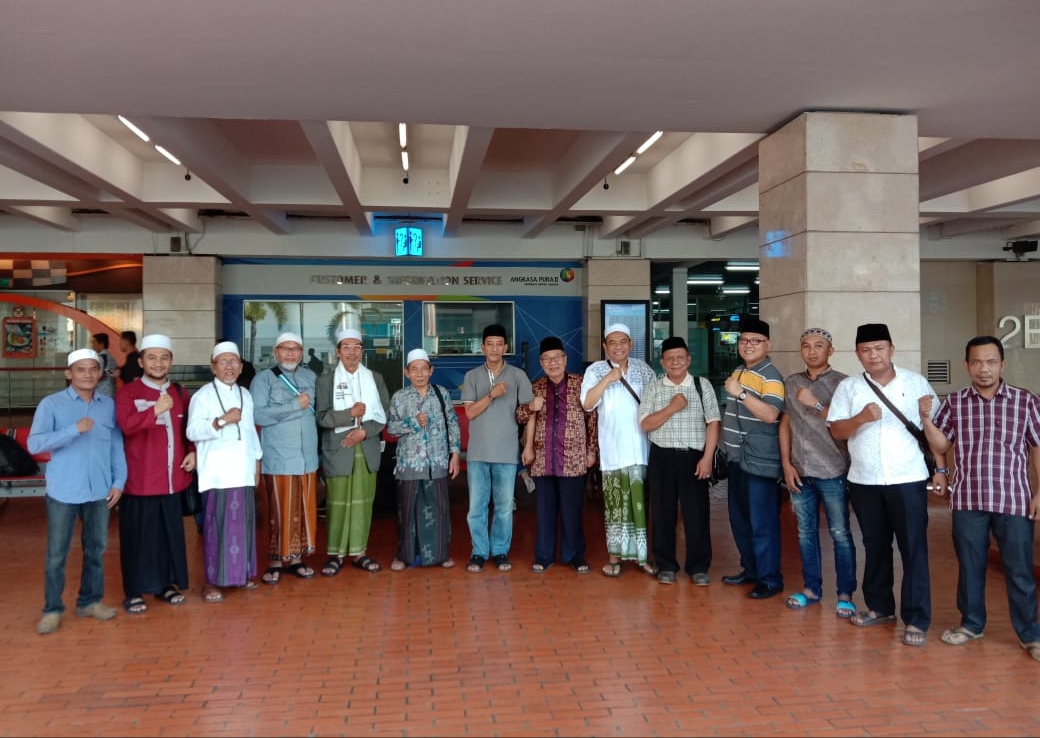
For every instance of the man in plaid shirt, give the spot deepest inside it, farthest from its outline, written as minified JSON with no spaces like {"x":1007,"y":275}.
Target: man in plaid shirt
{"x":995,"y":429}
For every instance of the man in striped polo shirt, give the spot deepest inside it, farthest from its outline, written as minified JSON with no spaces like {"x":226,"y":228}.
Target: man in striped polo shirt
{"x":995,"y":429}
{"x":750,"y":434}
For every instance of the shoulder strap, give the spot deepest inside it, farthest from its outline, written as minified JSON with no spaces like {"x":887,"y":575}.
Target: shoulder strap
{"x":912,"y":429}
{"x":444,"y":412}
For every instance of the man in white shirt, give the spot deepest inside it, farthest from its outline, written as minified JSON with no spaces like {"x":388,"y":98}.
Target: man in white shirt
{"x":887,"y":480}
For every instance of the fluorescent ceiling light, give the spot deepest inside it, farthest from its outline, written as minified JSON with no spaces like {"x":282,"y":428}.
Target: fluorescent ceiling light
{"x":625,"y":165}
{"x":705,"y":279}
{"x":404,"y":160}
{"x":662,"y":290}
{"x":167,"y":154}
{"x":741,"y":266}
{"x":137,"y":131}
{"x":649,"y":142}
{"x":736,"y":290}
{"x":402,"y":134}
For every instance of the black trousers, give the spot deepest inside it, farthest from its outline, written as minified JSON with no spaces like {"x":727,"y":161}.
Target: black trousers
{"x":673,"y":483}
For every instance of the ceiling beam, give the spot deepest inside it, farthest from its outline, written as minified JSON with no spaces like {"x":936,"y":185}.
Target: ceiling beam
{"x":723,"y":225}
{"x":587,"y":162}
{"x":468,"y":148}
{"x":334,"y":145}
{"x":975,"y":163}
{"x":50,"y":215}
{"x":1029,"y":229}
{"x":208,"y":154}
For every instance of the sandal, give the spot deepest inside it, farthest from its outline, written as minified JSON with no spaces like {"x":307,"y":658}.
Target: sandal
{"x":213,"y":594}
{"x":612,"y":569}
{"x":135,"y":605}
{"x":650,"y":569}
{"x":366,"y":564}
{"x":581,"y":566}
{"x":958,"y":636}
{"x":398,"y":565}
{"x":448,"y":564}
{"x":273,"y":575}
{"x":540,"y":568}
{"x":476,"y":564}
{"x":845,"y":609}
{"x":914,"y":637}
{"x":332,"y":567}
{"x":1033,"y":649}
{"x":250,"y":584}
{"x":502,"y":562}
{"x":868,"y":619}
{"x":800,"y":600}
{"x":301,"y":570}
{"x":172,"y":596}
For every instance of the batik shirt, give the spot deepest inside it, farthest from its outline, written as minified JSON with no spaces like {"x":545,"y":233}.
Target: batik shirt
{"x":423,"y":452}
{"x":564,"y":433}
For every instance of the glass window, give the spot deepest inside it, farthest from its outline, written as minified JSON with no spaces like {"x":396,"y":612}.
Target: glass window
{"x":454,"y":328}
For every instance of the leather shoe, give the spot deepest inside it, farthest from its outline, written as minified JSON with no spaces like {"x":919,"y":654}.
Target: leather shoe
{"x":742,"y":578}
{"x":764,"y":592}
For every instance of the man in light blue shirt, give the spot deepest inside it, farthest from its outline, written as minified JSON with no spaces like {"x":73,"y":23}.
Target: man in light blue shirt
{"x":85,"y":479}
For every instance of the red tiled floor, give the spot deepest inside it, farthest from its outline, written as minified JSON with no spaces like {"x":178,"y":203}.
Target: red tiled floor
{"x":444,"y":652}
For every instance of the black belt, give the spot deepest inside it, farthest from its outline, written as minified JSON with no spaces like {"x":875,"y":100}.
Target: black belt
{"x":676,"y":450}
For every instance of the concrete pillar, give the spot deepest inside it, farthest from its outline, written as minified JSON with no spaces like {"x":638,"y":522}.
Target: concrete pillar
{"x":680,"y":319}
{"x":838,"y":224}
{"x":182,"y":299}
{"x":611,"y":279}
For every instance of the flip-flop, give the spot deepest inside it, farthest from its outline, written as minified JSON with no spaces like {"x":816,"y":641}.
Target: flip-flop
{"x":476,"y":564}
{"x":799,"y":600}
{"x":581,"y":566}
{"x":612,"y":569}
{"x":135,"y":605}
{"x":958,"y":636}
{"x":864,"y":619}
{"x":273,"y":575}
{"x":914,"y":637}
{"x":845,"y":609}
{"x":540,"y":568}
{"x":649,"y":569}
{"x":1033,"y":649}
{"x":502,"y":562}
{"x":398,"y":565}
{"x":213,"y":595}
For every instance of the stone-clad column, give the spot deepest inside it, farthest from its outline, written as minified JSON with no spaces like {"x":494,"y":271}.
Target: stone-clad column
{"x":181,"y":297}
{"x":838,"y":223}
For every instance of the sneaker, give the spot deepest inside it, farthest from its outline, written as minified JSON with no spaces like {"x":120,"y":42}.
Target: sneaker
{"x":48,"y":623}
{"x":98,"y":611}
{"x":700,"y":579}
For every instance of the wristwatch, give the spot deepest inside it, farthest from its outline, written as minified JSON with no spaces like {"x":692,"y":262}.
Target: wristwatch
{"x":742,"y":396}
{"x":940,"y":470}
{"x":818,"y":407}
{"x":221,"y":422}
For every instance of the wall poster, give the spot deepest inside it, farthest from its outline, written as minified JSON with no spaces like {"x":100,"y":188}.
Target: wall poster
{"x":19,"y":338}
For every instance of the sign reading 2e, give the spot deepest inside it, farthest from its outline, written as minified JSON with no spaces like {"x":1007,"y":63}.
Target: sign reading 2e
{"x":1031,"y":334}
{"x":408,"y":241}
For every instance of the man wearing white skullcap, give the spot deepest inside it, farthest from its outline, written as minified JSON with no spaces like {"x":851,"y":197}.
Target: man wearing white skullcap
{"x":152,"y":412}
{"x":614,"y":386}
{"x":220,"y":422}
{"x":352,"y":402}
{"x":85,"y":479}
{"x":283,"y":397}
{"x":429,"y":440}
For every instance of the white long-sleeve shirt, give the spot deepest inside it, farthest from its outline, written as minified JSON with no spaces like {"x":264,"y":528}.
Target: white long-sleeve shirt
{"x":226,"y":457}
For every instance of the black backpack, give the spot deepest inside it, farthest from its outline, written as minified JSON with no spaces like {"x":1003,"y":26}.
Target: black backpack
{"x":15,"y":461}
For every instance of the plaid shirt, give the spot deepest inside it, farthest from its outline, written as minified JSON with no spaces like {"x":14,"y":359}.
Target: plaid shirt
{"x":687,"y":428}
{"x":991,"y":439}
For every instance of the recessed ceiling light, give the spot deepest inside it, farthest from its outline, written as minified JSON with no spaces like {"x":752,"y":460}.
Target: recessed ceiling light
{"x":137,"y":131}
{"x":167,"y":154}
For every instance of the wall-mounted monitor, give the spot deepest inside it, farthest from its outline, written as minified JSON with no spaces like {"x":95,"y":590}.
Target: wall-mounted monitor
{"x":636,"y":315}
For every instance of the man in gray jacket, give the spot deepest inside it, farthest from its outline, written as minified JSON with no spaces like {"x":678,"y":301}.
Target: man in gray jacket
{"x":282,"y":406}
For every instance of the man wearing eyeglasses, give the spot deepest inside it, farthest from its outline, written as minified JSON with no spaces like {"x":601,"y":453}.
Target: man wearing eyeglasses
{"x":995,"y":429}
{"x":560,"y":445}
{"x":283,"y":397}
{"x":750,"y":432}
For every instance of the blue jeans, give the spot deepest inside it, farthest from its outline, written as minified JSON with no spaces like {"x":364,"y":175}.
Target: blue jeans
{"x":1014,"y":537}
{"x":490,"y":482}
{"x":806,"y":506}
{"x":754,"y":516}
{"x":61,"y":521}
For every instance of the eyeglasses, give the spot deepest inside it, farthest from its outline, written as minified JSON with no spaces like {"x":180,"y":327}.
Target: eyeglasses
{"x":228,"y":362}
{"x":350,"y":347}
{"x":554,"y":359}
{"x":752,"y":342}
{"x":291,"y":349}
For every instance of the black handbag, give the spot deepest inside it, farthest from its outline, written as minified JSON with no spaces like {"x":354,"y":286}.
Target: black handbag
{"x":719,"y":463}
{"x":191,"y":498}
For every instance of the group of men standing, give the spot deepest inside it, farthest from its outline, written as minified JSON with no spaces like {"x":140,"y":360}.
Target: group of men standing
{"x":858,"y":441}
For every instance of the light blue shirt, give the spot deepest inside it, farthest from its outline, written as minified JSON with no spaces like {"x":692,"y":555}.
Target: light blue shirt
{"x":84,"y":467}
{"x":288,"y":435}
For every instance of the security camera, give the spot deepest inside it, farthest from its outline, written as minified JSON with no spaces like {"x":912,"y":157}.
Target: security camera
{"x":405,"y":180}
{"x":606,"y":186}
{"x":187,"y":176}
